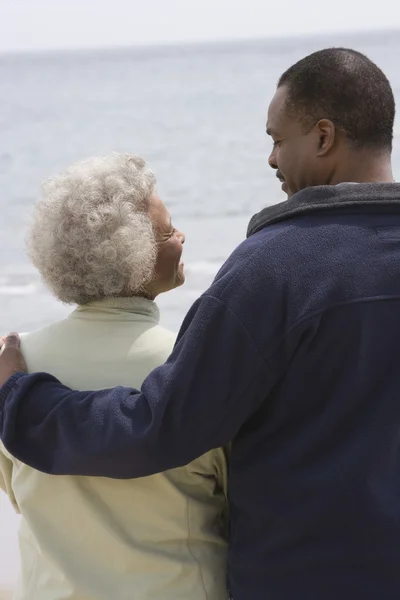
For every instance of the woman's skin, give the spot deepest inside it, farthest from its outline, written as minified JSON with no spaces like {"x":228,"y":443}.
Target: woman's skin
{"x":169,"y":269}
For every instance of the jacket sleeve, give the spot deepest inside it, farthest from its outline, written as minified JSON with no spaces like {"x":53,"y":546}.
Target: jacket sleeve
{"x":6,"y":471}
{"x":212,"y":383}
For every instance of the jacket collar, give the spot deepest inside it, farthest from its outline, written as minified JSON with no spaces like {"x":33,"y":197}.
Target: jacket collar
{"x":367,"y":197}
{"x":128,"y":308}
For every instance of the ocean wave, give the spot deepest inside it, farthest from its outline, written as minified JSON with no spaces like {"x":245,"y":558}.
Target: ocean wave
{"x":204,"y":267}
{"x":20,"y":284}
{"x":17,"y":290}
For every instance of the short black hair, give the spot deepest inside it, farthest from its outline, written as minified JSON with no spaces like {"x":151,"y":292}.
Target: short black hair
{"x":346,"y":87}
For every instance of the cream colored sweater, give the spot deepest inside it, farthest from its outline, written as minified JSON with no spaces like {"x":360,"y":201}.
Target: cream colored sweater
{"x":81,"y":538}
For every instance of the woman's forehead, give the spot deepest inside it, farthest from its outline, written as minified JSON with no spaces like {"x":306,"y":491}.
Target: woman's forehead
{"x":158,"y":211}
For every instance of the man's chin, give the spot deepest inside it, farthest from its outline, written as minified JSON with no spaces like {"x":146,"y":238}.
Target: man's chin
{"x":180,"y":280}
{"x":180,"y":276}
{"x":286,"y":190}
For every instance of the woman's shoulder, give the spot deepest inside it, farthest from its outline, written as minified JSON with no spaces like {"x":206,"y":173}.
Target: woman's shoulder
{"x":164,"y":334}
{"x":162,"y":340}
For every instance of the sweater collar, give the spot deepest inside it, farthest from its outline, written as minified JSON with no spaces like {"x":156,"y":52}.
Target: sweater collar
{"x":134,"y":305}
{"x":350,"y":196}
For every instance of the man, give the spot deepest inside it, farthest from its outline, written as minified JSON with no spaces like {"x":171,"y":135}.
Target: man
{"x":292,"y":354}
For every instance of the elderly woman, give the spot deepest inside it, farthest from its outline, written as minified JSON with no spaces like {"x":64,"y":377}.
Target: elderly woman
{"x":103,"y":239}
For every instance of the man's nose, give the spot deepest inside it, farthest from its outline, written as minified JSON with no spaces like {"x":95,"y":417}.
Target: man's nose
{"x":272,"y":161}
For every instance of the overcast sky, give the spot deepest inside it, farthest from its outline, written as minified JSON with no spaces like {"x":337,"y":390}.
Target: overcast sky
{"x":48,"y":24}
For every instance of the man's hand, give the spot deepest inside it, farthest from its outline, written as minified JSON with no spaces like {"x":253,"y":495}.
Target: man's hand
{"x":11,"y":359}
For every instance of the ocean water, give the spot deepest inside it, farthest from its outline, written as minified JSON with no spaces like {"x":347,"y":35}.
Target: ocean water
{"x":196,"y":113}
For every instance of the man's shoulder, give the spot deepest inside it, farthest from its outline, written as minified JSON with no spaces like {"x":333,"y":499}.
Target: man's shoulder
{"x":291,"y":269}
{"x":275,"y":250}
{"x":299,"y":244}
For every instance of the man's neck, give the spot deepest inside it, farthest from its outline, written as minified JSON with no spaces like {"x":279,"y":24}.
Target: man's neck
{"x":363,"y":167}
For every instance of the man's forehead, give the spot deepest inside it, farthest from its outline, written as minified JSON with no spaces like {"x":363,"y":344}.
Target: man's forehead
{"x":278,"y":117}
{"x":275,"y":110}
{"x":271,"y":121}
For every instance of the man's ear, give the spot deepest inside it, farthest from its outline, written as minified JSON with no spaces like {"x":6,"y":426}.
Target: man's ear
{"x":326,"y":132}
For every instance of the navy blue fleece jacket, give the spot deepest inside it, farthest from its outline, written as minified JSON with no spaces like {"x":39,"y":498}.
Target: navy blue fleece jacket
{"x":293,"y":353}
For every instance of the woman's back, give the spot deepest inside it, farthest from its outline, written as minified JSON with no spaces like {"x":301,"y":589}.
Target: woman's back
{"x":81,"y":538}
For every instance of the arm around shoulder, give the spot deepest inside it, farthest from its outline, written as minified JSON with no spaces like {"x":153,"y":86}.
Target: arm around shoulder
{"x":213,"y":381}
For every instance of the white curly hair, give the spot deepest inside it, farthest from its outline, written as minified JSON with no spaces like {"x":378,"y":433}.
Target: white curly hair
{"x":91,"y":236}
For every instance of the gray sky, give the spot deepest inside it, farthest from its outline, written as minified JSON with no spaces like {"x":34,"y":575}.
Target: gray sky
{"x":48,"y":24}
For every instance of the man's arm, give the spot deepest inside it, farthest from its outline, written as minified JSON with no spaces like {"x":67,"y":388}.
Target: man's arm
{"x":212,"y":383}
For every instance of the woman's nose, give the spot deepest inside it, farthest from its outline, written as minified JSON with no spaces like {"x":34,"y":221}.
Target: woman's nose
{"x":181,"y":236}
